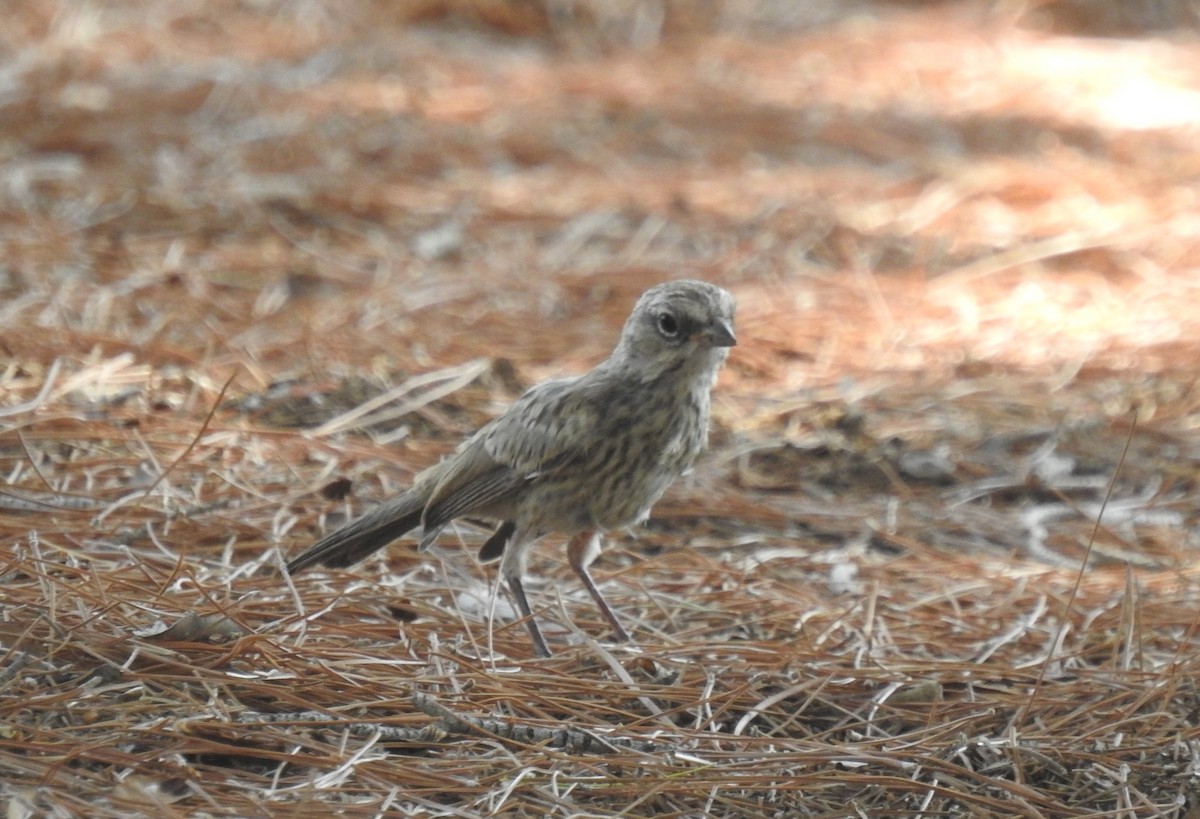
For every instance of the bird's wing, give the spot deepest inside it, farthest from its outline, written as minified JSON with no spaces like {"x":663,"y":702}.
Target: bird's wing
{"x":540,"y":432}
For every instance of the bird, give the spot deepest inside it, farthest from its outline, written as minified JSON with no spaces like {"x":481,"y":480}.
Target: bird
{"x":579,"y":456}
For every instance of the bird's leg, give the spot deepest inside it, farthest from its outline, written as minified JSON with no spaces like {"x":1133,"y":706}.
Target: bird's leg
{"x":539,"y":643}
{"x":494,"y":547}
{"x":581,"y":551}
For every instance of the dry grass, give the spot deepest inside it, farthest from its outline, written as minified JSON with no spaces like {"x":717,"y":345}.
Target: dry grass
{"x":966,"y":252}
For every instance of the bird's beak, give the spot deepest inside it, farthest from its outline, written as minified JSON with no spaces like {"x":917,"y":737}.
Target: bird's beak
{"x":719,"y":334}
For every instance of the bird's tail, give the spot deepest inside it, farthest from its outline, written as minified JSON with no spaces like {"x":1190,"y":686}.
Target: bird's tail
{"x":363,"y":536}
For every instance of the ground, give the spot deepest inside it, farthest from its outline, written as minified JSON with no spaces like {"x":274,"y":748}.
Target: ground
{"x":263,"y":261}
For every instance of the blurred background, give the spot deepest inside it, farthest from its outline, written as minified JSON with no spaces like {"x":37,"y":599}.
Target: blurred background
{"x":260,"y":261}
{"x":944,"y":222}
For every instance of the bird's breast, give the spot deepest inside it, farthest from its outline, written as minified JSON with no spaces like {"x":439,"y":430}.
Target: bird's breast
{"x":641,"y":443}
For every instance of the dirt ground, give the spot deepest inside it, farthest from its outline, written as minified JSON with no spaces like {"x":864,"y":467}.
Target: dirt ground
{"x":262,"y":261}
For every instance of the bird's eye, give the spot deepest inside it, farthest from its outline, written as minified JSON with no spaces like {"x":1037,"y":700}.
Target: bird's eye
{"x":668,"y":325}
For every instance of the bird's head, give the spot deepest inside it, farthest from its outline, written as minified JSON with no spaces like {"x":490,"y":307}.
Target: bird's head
{"x":681,"y":325}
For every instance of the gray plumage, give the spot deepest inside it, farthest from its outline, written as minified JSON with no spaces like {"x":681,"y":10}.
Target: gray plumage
{"x":578,"y":455}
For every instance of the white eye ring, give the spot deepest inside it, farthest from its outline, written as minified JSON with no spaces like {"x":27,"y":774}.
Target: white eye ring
{"x":668,"y":325}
